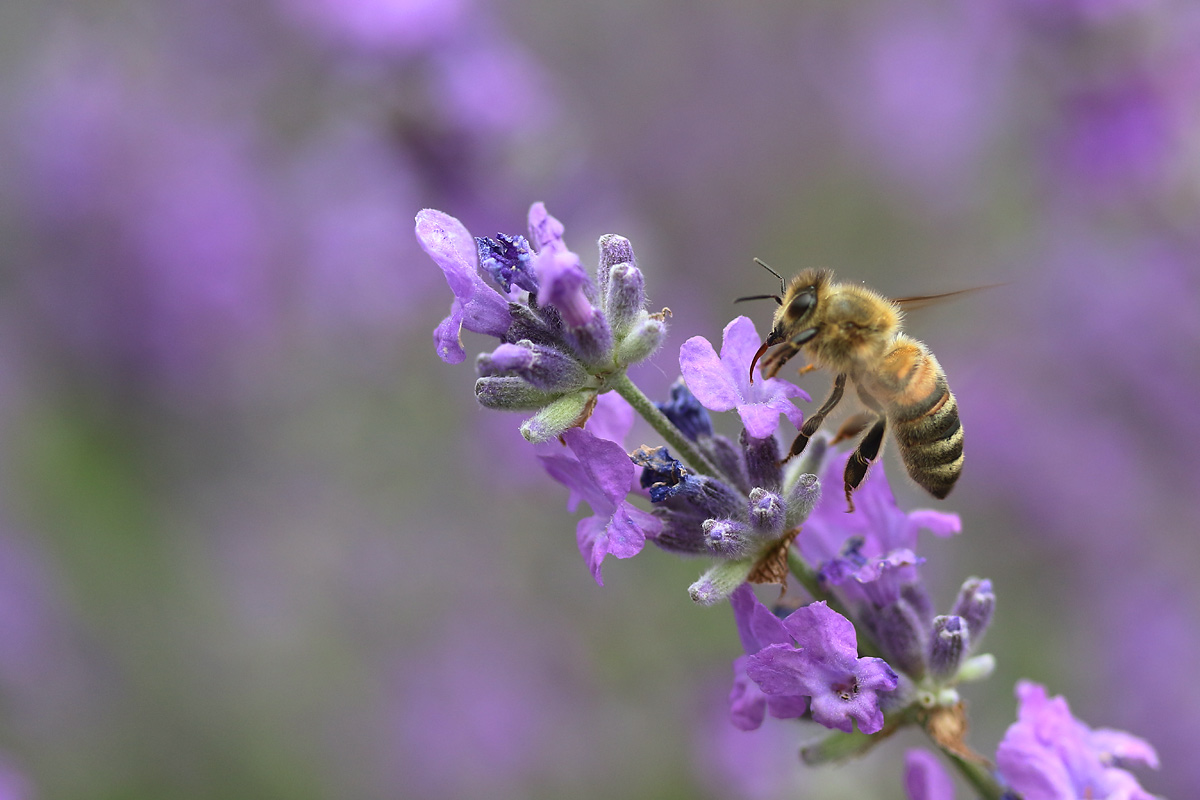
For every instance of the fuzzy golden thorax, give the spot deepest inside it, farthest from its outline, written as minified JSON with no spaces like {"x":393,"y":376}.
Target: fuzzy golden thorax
{"x":851,"y":327}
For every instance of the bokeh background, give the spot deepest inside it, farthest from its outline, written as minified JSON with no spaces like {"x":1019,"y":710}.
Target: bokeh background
{"x":256,"y":540}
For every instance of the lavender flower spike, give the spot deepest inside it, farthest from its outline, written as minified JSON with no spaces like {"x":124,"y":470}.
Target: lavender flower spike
{"x":723,"y":383}
{"x":1048,"y":754}
{"x":477,"y":306}
{"x":602,"y":474}
{"x":824,"y":665}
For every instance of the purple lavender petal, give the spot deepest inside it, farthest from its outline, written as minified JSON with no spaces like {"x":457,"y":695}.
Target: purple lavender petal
{"x":739,"y":343}
{"x":560,"y":274}
{"x":843,"y":687}
{"x":706,"y":378}
{"x":761,"y":419}
{"x":591,"y":536}
{"x":757,"y":626}
{"x":607,"y":464}
{"x":477,"y":306}
{"x":925,"y":778}
{"x":1123,"y":749}
{"x":747,"y":703}
{"x":612,"y":418}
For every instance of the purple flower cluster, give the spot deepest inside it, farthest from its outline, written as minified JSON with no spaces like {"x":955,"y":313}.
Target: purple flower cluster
{"x":566,"y":342}
{"x":564,"y":338}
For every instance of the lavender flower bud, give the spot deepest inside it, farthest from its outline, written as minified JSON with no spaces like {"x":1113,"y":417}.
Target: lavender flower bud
{"x":510,"y":393}
{"x":642,"y":340}
{"x":720,"y":580}
{"x":614,"y":250}
{"x":802,"y":499}
{"x":728,"y":538}
{"x":711,"y":497}
{"x":976,"y":668}
{"x":767,"y":511}
{"x":728,"y":459}
{"x":762,"y":460}
{"x":681,"y":533}
{"x":592,"y":340}
{"x":902,"y":635}
{"x":950,"y":642}
{"x":685,"y":412}
{"x":528,"y":324}
{"x":975,"y":604}
{"x":556,"y":418}
{"x":543,"y":367}
{"x":625,"y":299}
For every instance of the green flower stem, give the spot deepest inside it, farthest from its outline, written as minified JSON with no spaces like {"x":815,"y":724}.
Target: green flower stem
{"x":682,"y":446}
{"x":977,"y":775}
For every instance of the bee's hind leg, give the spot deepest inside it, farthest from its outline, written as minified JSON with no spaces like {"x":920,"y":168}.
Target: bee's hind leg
{"x":861,"y":459}
{"x":812,"y":423}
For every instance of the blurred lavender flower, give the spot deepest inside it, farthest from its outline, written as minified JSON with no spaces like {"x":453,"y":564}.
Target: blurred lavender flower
{"x":1047,"y":754}
{"x":925,"y":778}
{"x":151,"y":221}
{"x":822,"y":663}
{"x":390,"y":27}
{"x":723,"y":384}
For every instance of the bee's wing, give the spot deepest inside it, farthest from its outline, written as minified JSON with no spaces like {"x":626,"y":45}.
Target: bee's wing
{"x":923,"y":300}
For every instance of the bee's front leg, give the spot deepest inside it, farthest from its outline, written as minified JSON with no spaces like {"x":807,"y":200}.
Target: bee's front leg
{"x":811,"y":424}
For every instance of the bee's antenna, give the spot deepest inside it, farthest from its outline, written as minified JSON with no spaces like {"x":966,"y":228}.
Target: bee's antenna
{"x":782,"y":284}
{"x":774,"y":297}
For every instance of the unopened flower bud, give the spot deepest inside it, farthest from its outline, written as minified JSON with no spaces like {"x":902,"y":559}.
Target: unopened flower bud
{"x":556,"y":418}
{"x":685,"y":412}
{"x":767,"y":511}
{"x":802,"y":499}
{"x":902,"y":635}
{"x":544,"y":367}
{"x":642,"y":340}
{"x":762,"y":460}
{"x":626,"y":298}
{"x":720,"y":581}
{"x":975,"y":604}
{"x":949,"y":644}
{"x":510,"y":393}
{"x":728,"y":538}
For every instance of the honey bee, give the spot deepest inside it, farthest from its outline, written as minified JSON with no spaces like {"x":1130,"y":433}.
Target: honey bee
{"x":856,"y":333}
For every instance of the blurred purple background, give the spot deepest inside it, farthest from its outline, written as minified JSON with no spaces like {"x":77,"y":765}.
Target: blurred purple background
{"x":257,"y":540}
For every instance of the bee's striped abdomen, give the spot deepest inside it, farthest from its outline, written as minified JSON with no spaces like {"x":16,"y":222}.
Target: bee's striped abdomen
{"x":924,"y":417}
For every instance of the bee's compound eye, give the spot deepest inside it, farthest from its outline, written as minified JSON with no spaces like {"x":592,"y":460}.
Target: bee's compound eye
{"x":802,"y":303}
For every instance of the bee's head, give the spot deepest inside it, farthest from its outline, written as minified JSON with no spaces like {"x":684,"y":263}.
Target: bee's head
{"x":798,"y":304}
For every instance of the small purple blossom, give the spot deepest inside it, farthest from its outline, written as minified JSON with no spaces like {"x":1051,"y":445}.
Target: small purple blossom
{"x":824,"y":665}
{"x":1047,"y":754}
{"x":477,"y":306}
{"x":757,"y":627}
{"x":723,"y":383}
{"x":925,"y":778}
{"x":602,"y":474}
{"x":561,"y":279}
